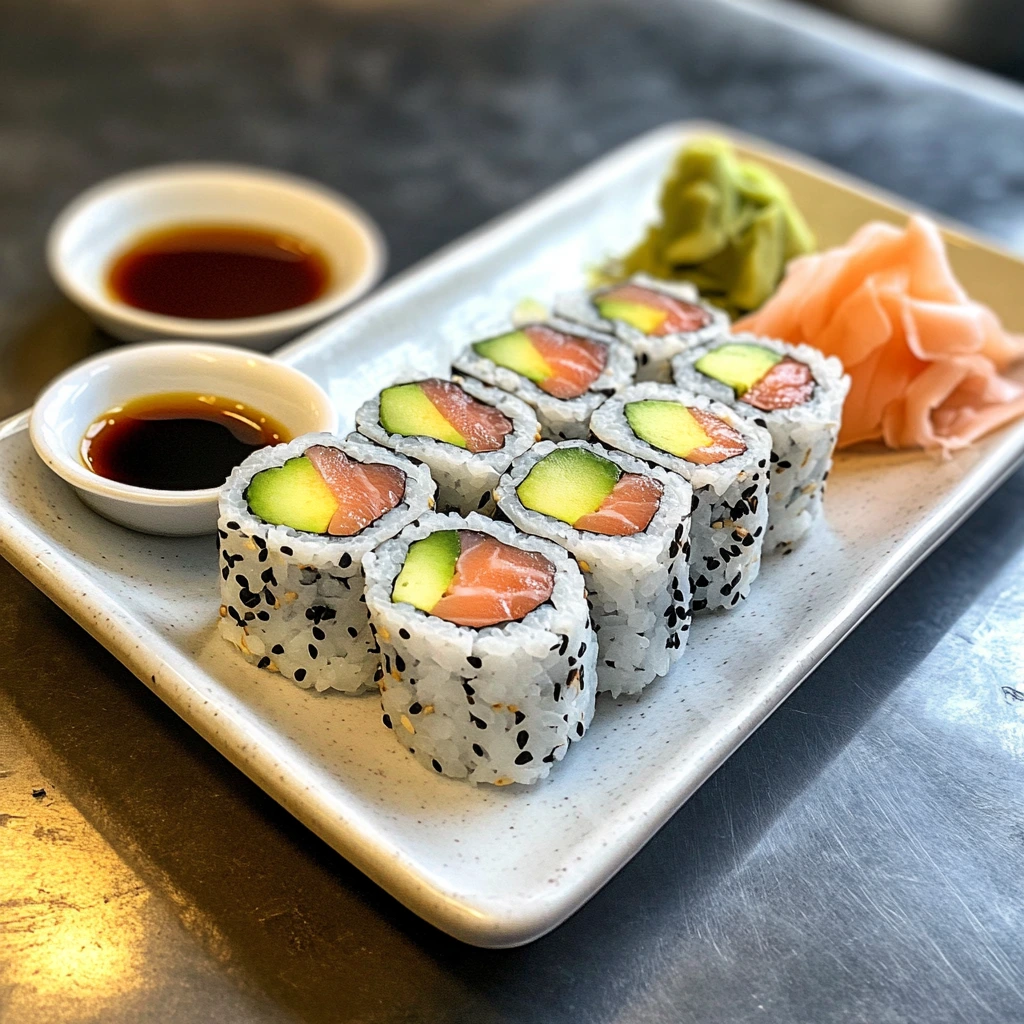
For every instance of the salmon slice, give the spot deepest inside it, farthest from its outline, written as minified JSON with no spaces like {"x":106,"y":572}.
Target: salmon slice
{"x":577,"y":362}
{"x":725,"y":442}
{"x":786,"y":384}
{"x":364,"y":491}
{"x":483,"y":427}
{"x":627,"y":510}
{"x":679,"y":315}
{"x":494,"y":583}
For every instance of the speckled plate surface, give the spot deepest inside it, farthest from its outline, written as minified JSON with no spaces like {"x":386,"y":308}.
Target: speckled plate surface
{"x":501,"y":867}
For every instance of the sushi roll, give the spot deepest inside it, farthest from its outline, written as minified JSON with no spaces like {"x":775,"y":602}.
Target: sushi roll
{"x":563,"y":372}
{"x":628,"y":525}
{"x":794,"y":391}
{"x":659,"y":319}
{"x":295,"y":522}
{"x":723,"y":456}
{"x":487,"y":653}
{"x":466,"y":432}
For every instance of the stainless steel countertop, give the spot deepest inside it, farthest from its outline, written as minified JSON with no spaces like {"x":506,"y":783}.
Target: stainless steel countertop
{"x":857,"y":860}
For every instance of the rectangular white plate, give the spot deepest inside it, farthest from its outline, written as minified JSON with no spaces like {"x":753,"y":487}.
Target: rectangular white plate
{"x":499,"y":867}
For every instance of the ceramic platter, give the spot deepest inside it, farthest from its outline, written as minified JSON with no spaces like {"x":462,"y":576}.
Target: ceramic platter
{"x":499,"y":867}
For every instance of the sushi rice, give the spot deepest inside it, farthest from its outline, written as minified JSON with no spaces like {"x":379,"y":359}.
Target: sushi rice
{"x":560,"y":418}
{"x":292,"y":602}
{"x":803,"y":437}
{"x":730,"y":498}
{"x":654,"y":353}
{"x":499,"y":704}
{"x":464,"y":479}
{"x":638,"y":585}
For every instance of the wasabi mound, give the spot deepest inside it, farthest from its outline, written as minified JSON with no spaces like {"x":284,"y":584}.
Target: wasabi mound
{"x":727,"y":225}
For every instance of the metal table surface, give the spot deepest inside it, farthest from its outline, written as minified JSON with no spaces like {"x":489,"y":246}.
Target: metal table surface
{"x":857,"y":860}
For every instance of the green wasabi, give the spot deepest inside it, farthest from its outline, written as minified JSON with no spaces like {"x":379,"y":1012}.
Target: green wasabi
{"x":729,"y":226}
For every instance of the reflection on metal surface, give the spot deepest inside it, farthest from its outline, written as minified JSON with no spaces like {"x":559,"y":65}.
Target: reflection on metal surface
{"x":72,"y":937}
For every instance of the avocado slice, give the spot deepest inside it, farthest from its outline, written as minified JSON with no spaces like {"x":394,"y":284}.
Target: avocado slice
{"x":740,"y":366}
{"x":568,"y":484}
{"x":516,"y":352}
{"x":643,"y":318}
{"x":669,"y":426}
{"x":292,"y":495}
{"x":428,"y":571}
{"x":406,"y":410}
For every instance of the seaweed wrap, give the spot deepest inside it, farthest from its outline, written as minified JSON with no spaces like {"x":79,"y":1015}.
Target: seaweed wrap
{"x":295,"y":522}
{"x":725,"y":459}
{"x":627,"y":523}
{"x":562,"y":371}
{"x":659,"y":319}
{"x":466,"y":432}
{"x":797,"y":394}
{"x":487,"y":653}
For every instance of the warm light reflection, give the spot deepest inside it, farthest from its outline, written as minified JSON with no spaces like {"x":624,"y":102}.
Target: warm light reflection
{"x":71,"y":917}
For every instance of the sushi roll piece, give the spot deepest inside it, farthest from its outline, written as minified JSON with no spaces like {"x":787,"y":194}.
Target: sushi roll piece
{"x":794,"y":391}
{"x":659,"y":319}
{"x":295,"y":522}
{"x":487,"y":652}
{"x":562,"y":371}
{"x":725,"y":459}
{"x":627,"y":524}
{"x":466,"y":432}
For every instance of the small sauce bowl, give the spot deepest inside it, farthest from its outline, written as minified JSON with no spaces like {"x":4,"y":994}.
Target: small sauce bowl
{"x":108,"y":218}
{"x":76,"y":399}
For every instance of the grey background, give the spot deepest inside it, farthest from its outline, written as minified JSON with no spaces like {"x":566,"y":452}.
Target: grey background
{"x":857,"y":860}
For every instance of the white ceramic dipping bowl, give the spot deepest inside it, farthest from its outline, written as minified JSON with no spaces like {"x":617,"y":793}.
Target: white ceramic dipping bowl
{"x":106,"y":219}
{"x":76,"y":399}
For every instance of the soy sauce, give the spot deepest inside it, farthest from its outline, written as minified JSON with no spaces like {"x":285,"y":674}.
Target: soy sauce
{"x":210,"y":272}
{"x":176,"y":442}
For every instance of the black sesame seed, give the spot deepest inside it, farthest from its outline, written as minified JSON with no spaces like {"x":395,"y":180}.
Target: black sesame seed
{"x":478,"y":750}
{"x":436,"y":765}
{"x":524,"y":758}
{"x":522,"y":738}
{"x":300,"y":674}
{"x":415,"y":708}
{"x":345,"y":561}
{"x":520,"y":718}
{"x":404,"y":633}
{"x":399,"y":663}
{"x":387,"y":721}
{"x":285,"y":550}
{"x":474,"y":661}
{"x":263,"y":662}
{"x":353,"y":632}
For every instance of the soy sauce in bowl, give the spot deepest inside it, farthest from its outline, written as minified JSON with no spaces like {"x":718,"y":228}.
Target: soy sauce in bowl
{"x":218,"y":272}
{"x":177,"y":441}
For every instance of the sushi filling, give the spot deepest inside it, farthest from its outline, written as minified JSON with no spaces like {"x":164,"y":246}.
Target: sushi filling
{"x":562,"y":365}
{"x":473,"y":579}
{"x":650,"y":312}
{"x":758,"y":376}
{"x":442,"y":410}
{"x":324,"y":491}
{"x":590,"y":493}
{"x":695,"y":435}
